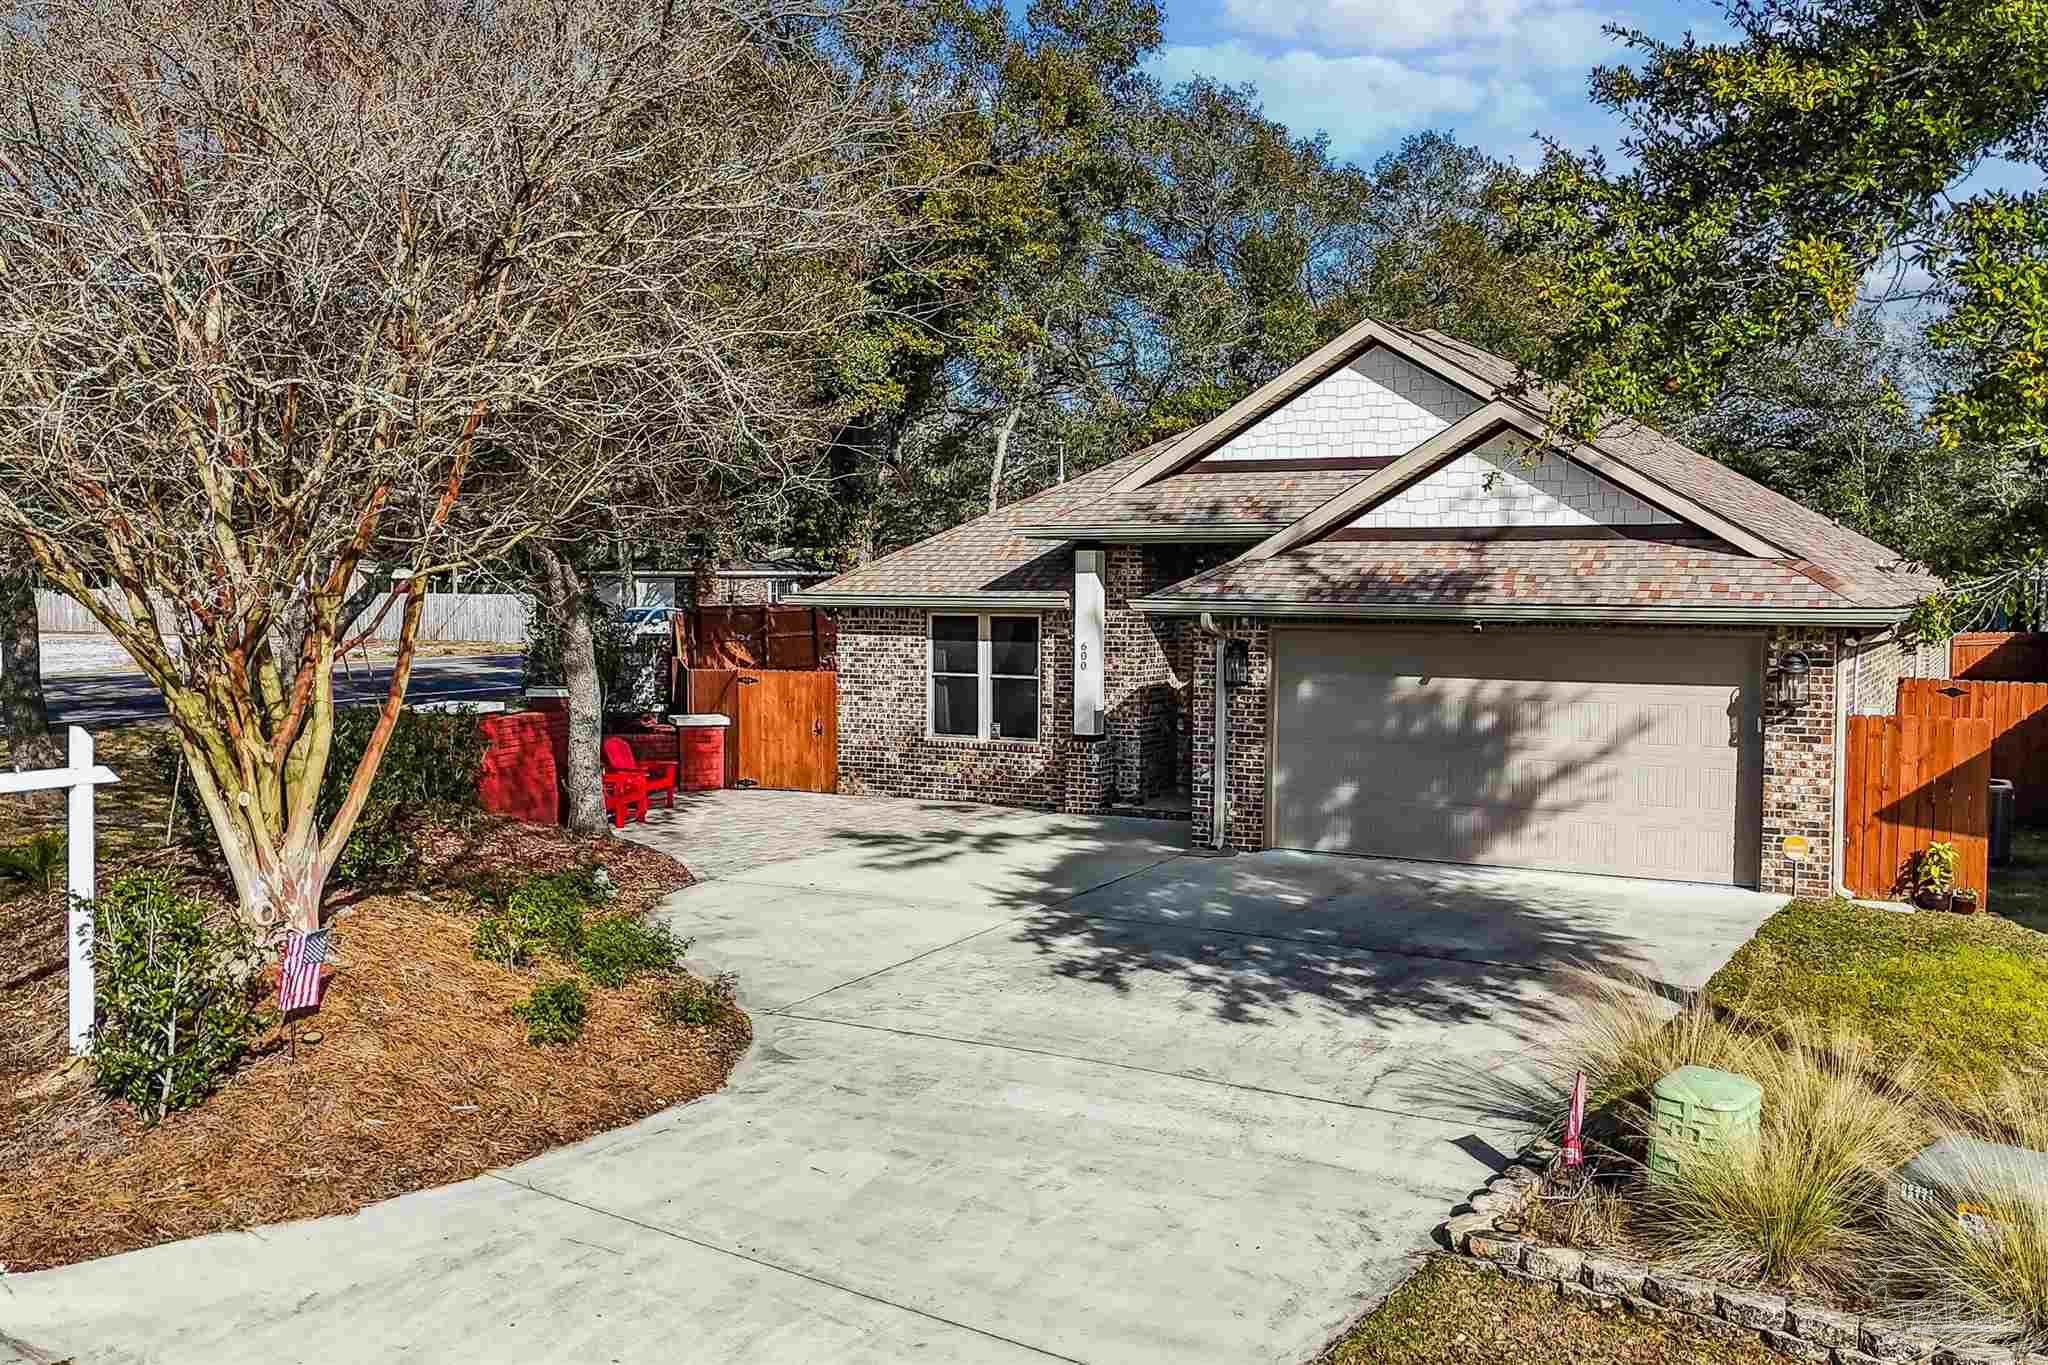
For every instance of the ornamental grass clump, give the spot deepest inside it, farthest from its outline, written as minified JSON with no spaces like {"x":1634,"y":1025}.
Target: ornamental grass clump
{"x":1976,"y":1270}
{"x":1624,"y":1034}
{"x":1799,"y":1204}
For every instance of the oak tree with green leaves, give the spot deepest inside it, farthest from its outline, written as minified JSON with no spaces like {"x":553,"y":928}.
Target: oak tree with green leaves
{"x":1828,"y":154}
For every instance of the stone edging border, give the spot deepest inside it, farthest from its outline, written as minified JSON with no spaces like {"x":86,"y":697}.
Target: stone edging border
{"x":1800,"y":1331}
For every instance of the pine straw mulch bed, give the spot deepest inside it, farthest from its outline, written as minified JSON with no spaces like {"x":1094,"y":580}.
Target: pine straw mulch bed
{"x":422,"y":1074}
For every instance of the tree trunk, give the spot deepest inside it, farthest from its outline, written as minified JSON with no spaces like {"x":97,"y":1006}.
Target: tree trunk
{"x":995,"y":473}
{"x":583,"y":784}
{"x":24,"y":714}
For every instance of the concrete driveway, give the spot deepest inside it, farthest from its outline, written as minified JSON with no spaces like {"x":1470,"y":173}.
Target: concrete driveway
{"x":1025,"y":1087}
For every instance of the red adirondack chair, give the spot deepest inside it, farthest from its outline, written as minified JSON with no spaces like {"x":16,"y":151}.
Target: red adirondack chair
{"x":625,"y":797}
{"x":659,"y":774}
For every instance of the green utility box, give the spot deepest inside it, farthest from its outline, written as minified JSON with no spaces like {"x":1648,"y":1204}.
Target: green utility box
{"x":1698,"y":1109}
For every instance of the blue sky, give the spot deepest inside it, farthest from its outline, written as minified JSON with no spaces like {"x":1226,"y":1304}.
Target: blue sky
{"x":1371,"y":71}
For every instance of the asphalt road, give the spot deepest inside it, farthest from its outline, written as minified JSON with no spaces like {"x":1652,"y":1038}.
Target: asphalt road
{"x":104,"y":699}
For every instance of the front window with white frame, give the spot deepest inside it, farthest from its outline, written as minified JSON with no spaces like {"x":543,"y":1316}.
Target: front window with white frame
{"x":984,"y":676}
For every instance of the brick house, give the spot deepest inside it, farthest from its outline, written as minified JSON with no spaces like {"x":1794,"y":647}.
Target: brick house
{"x":1440,"y":633}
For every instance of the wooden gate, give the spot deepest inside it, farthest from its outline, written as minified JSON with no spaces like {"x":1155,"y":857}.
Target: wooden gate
{"x":785,"y":725}
{"x":1912,"y":780}
{"x":2018,"y":714}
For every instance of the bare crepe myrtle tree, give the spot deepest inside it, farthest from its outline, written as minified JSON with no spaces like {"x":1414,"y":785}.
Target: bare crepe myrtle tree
{"x":296,"y":288}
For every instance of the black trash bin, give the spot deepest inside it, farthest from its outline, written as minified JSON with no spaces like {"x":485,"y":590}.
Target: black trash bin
{"x":2005,"y":802}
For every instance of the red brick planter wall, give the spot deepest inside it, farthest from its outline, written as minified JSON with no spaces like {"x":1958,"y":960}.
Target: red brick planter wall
{"x":521,"y":770}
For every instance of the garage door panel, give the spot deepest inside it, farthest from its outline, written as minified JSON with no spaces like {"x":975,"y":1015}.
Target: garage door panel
{"x":1513,"y":751}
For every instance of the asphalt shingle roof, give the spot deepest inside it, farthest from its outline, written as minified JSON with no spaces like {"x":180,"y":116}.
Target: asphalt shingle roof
{"x":1206,"y":497}
{"x":1606,"y":573}
{"x":1826,"y":565}
{"x":986,"y":554}
{"x":1872,"y":574}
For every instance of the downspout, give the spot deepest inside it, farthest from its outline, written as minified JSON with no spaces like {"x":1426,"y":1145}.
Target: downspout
{"x":1837,"y":854}
{"x":1219,"y":747}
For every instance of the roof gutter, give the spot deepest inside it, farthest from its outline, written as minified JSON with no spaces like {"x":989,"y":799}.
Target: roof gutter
{"x":924,"y":601}
{"x":1136,"y":531}
{"x":1520,"y":611}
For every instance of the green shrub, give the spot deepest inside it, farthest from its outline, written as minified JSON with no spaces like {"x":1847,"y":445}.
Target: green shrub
{"x":175,"y":998}
{"x":433,"y":761}
{"x":36,"y":861}
{"x":554,"y":1013}
{"x":681,"y":1005}
{"x":542,"y":913}
{"x":618,"y":948}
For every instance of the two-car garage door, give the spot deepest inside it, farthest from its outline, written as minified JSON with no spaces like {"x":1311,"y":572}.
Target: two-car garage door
{"x":1634,"y":753}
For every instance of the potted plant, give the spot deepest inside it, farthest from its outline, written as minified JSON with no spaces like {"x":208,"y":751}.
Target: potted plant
{"x":1963,"y":900}
{"x":1935,"y":877}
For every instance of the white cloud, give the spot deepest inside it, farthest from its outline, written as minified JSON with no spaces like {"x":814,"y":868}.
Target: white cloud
{"x":1367,"y":100}
{"x":1541,"y":30}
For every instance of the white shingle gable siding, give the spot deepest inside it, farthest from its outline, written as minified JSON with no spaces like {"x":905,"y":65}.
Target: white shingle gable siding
{"x":1498,"y":485}
{"x":1377,"y":406}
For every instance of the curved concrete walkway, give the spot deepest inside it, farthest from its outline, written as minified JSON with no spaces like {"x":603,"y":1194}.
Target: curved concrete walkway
{"x":1025,"y":1087}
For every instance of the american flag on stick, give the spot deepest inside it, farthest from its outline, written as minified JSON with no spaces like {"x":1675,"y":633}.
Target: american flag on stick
{"x":298,"y":977}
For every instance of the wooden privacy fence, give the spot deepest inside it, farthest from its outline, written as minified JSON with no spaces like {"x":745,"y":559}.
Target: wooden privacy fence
{"x":493,"y":616}
{"x":2018,"y":713}
{"x":1913,"y":780}
{"x":793,"y":638}
{"x":785,"y":725}
{"x":1998,"y":656}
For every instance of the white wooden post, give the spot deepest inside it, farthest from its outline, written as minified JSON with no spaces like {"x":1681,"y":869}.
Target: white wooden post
{"x":79,"y":850}
{"x":80,"y":776}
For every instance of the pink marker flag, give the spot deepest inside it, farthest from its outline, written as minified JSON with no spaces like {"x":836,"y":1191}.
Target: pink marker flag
{"x":1574,"y":1145}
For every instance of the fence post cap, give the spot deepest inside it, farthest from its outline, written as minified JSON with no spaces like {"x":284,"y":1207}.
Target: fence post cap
{"x":700,"y":719}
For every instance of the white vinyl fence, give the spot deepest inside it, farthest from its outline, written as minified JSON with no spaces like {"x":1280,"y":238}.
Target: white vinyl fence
{"x":497,"y":616}
{"x":78,"y":778}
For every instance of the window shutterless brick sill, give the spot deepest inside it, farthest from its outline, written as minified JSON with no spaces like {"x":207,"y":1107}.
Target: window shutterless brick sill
{"x":1021,"y":746}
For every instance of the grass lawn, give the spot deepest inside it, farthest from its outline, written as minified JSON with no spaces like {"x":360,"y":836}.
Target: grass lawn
{"x":1969,"y":993}
{"x":2020,"y":891}
{"x":1451,"y":1314}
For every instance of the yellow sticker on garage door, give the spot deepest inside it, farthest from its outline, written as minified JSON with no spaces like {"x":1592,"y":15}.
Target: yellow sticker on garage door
{"x":1796,"y":846}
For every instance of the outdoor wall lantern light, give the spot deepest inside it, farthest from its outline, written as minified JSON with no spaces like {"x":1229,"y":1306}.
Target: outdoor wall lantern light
{"x":1237,"y":671}
{"x":1791,"y":679}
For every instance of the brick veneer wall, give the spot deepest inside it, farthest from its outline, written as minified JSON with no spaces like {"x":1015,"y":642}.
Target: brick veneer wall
{"x":883,"y":716}
{"x":1145,"y":673}
{"x":1799,"y":767}
{"x":1873,"y":666}
{"x":1247,"y":752}
{"x":884,"y":701}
